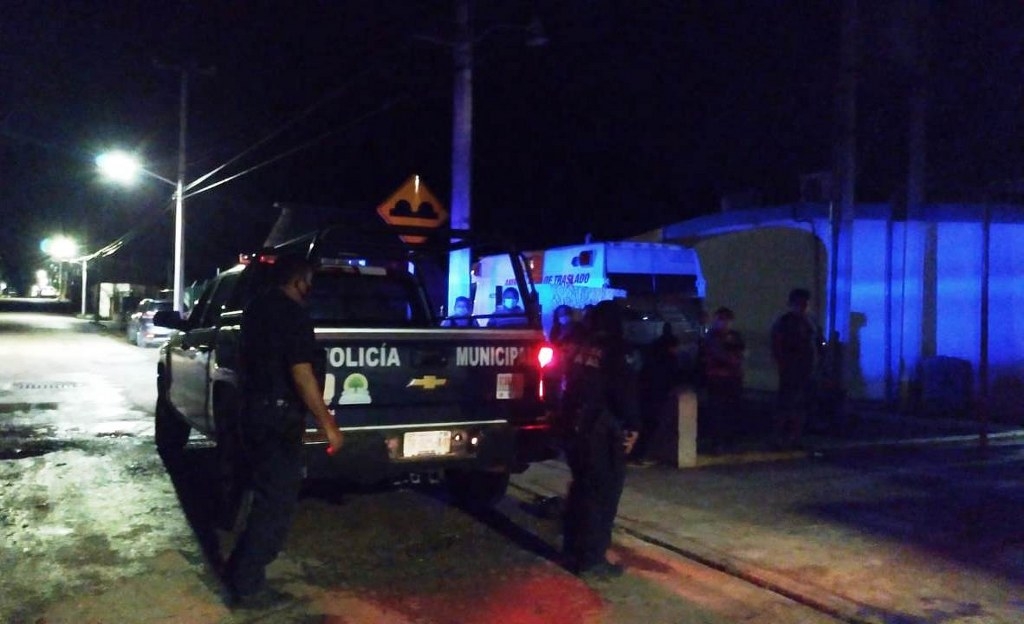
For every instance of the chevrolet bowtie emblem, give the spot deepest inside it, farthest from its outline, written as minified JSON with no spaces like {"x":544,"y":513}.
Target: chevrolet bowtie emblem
{"x":427,"y":382}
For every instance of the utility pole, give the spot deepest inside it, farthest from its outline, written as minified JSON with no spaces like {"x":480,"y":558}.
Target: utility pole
{"x":842,"y":205}
{"x":85,"y":278}
{"x":179,"y":186}
{"x":462,"y":149}
{"x":846,"y":145}
{"x":462,"y":131}
{"x":179,"y":197}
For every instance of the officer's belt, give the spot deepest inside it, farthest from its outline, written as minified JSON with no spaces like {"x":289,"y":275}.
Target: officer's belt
{"x":271,"y":401}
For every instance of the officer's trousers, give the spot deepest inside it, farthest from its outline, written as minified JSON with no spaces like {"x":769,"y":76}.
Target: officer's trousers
{"x":275,"y":461}
{"x":795,"y":395}
{"x":598,"y":462}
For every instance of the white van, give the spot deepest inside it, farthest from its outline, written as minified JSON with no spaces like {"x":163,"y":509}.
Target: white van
{"x":659,"y":283}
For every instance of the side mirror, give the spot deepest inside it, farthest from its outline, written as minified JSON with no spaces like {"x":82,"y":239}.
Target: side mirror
{"x":169,"y":318}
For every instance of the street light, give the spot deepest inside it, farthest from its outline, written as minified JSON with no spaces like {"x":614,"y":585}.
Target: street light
{"x":61,"y":249}
{"x":125,"y":168}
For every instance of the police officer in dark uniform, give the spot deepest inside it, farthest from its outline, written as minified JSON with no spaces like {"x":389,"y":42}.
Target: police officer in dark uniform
{"x":278,"y":350}
{"x":600,"y":406}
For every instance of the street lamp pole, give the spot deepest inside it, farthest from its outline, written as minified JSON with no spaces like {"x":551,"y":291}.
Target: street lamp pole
{"x":123,"y":167}
{"x":85,"y":277}
{"x":179,"y":198}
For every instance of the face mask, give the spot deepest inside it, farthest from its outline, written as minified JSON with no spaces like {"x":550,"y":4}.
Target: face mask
{"x":510,"y":303}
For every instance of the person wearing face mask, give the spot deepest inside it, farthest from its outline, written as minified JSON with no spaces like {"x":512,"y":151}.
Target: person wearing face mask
{"x":509,"y":313}
{"x":278,"y":350}
{"x":564,"y":329}
{"x":461,"y":315}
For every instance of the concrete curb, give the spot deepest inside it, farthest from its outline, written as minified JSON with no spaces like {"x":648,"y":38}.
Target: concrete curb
{"x":638,"y":513}
{"x":811,"y":596}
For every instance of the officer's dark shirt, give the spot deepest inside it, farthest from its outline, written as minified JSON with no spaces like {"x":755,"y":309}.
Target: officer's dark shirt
{"x":793,"y":344}
{"x":276,"y":335}
{"x":601,"y":382}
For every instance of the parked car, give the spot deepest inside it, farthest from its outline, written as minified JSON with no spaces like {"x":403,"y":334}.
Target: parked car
{"x":141,"y":329}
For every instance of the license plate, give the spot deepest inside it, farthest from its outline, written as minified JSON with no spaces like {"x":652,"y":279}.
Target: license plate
{"x":416,"y":443}
{"x":509,"y":386}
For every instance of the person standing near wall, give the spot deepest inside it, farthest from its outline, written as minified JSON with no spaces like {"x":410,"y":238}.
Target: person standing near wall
{"x":722,"y":362}
{"x":794,"y":348}
{"x":660,"y":375}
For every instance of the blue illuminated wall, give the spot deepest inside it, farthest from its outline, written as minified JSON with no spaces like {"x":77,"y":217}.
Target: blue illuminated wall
{"x":1006,"y":314}
{"x":908,"y":253}
{"x":1006,"y":298}
{"x":958,"y":302}
{"x":914,"y":291}
{"x":868,"y":300}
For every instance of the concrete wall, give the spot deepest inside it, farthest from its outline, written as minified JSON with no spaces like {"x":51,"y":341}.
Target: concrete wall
{"x":752,"y":272}
{"x":914,"y":290}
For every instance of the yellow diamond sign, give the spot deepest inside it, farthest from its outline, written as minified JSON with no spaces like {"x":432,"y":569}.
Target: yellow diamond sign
{"x":413,"y":205}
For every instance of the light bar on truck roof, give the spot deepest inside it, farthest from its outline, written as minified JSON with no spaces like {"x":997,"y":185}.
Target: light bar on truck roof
{"x":261,"y":258}
{"x":356,"y":262}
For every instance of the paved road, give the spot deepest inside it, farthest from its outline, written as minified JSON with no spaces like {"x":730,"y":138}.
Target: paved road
{"x":93,"y":528}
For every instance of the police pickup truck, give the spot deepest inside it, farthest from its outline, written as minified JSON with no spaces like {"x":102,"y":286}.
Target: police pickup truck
{"x":416,"y":394}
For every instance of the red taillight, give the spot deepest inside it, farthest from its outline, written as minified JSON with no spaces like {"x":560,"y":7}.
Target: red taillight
{"x":545,"y":356}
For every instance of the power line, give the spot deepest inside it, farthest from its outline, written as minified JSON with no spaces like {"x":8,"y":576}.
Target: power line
{"x":115,"y":245}
{"x":338,"y":91}
{"x":302,"y":146}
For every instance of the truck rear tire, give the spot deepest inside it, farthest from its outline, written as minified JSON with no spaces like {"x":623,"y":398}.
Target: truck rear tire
{"x":476,"y":489}
{"x":171,"y":433}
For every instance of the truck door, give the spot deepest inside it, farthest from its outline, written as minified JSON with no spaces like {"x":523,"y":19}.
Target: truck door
{"x":190,"y":362}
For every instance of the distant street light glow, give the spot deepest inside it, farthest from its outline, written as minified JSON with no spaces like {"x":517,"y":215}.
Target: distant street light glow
{"x":119,"y":166}
{"x":63,"y":248}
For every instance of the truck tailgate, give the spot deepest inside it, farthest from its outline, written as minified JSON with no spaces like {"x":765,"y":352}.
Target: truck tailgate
{"x":391,"y":378}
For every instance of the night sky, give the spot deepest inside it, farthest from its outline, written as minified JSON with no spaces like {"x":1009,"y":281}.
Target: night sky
{"x":635,"y":114}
